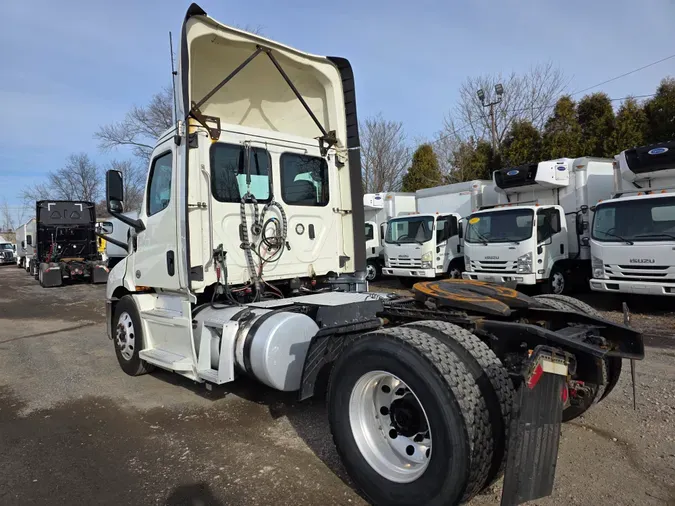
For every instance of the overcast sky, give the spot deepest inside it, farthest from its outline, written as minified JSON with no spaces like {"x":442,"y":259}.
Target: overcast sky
{"x":68,"y":67}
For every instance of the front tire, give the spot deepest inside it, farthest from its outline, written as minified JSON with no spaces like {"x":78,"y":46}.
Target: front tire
{"x":408,"y":420}
{"x":128,"y":337}
{"x":557,"y":283}
{"x":371,"y":271}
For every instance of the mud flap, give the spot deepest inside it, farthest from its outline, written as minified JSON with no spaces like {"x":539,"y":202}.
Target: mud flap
{"x":50,"y":275}
{"x":535,"y":428}
{"x":99,"y":274}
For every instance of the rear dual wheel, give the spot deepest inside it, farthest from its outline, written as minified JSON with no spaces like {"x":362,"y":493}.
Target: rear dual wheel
{"x":410,"y":418}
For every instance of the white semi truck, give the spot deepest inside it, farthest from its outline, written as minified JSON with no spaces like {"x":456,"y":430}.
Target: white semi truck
{"x":633,"y":234}
{"x":247,"y":259}
{"x":7,"y":251}
{"x":539,"y":234}
{"x":428,"y":243}
{"x":378,"y":208}
{"x":25,"y":244}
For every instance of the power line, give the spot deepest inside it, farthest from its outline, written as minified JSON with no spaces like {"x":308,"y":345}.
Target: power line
{"x":624,"y":74}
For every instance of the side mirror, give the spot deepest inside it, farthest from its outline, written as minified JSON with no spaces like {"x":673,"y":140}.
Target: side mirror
{"x":460,"y":230}
{"x":453,"y":228}
{"x":580,"y":224}
{"x":584,"y":209}
{"x":114,"y":190}
{"x":29,"y":240}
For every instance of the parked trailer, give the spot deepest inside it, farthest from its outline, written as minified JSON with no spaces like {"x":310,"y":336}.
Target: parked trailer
{"x":539,"y":235}
{"x":378,"y":209}
{"x":633,"y":234}
{"x":428,"y":244}
{"x":425,"y":394}
{"x":25,"y":248}
{"x":66,"y":246}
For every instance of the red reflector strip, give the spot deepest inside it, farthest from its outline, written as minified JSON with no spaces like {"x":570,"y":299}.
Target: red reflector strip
{"x":565,"y":394}
{"x":534,"y":379}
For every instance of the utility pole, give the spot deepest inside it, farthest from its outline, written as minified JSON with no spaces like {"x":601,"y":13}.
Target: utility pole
{"x":499,"y":90}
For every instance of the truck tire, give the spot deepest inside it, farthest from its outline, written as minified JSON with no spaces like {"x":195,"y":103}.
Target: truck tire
{"x":455,"y":270}
{"x":557,"y":283}
{"x":372,"y":270}
{"x":392,"y":393}
{"x":128,"y":337}
{"x":598,"y":392}
{"x":489,"y":374}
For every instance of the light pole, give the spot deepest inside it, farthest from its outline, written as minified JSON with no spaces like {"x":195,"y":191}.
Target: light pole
{"x":499,"y":91}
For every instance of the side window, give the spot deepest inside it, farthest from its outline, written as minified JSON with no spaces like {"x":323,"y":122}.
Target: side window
{"x":29,"y":240}
{"x":159,"y":185}
{"x":442,"y":227}
{"x":548,"y":223}
{"x":304,"y":180}
{"x":370,"y":233}
{"x":229,"y":172}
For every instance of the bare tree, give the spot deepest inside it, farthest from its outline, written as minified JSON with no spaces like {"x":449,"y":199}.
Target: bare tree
{"x":141,"y":126}
{"x":79,"y":179}
{"x":384,"y":154}
{"x":530,"y":97}
{"x":11,"y":217}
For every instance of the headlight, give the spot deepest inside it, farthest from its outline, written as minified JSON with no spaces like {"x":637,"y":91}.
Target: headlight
{"x":467,"y":263}
{"x":426,"y":265}
{"x":525,"y":263}
{"x":386,"y":260}
{"x":598,"y":268}
{"x":428,"y":256}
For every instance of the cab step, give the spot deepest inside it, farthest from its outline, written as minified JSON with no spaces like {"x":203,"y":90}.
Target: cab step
{"x":166,"y":359}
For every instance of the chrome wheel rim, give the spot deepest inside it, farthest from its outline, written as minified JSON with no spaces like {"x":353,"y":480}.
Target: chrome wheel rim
{"x":558,"y":283}
{"x":390,"y":427}
{"x":371,"y":272}
{"x":125,"y":336}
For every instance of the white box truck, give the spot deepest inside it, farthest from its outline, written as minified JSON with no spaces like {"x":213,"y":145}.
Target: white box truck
{"x":539,"y":233}
{"x":378,"y":208}
{"x":418,"y":402}
{"x":25,"y":244}
{"x":633,"y":234}
{"x":427,"y":244}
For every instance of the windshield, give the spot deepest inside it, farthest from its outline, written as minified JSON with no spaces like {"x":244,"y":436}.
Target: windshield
{"x":6,"y":245}
{"x":647,"y":219}
{"x":411,"y":229}
{"x":510,"y":225}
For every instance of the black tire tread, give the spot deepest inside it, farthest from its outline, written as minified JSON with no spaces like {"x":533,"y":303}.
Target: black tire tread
{"x":461,"y":383}
{"x":573,"y":302}
{"x":464,"y":342}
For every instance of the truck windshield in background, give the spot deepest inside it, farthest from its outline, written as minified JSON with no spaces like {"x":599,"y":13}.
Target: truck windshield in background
{"x":647,"y":219}
{"x":6,"y":246}
{"x":506,"y":225}
{"x":410,"y":229}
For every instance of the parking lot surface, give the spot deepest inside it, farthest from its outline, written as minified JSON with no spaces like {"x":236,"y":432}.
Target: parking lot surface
{"x":75,"y":429}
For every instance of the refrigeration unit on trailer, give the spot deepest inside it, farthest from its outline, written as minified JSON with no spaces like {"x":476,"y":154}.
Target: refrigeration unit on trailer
{"x":25,"y":248}
{"x":378,"y":208}
{"x":633,"y":234}
{"x":428,"y":244}
{"x":539,"y":234}
{"x":247,"y":258}
{"x":65,"y":243}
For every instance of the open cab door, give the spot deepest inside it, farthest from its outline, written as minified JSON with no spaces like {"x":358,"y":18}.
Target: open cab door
{"x":272,"y":128}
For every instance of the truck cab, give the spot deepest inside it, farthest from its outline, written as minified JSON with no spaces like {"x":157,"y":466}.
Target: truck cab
{"x":633,"y":234}
{"x":421,"y":246}
{"x":539,"y":233}
{"x":378,"y":209}
{"x":515,"y":243}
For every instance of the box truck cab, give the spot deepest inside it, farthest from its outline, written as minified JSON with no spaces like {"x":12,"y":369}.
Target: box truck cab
{"x":633,"y":234}
{"x":428,"y":244}
{"x":539,"y":233}
{"x":378,"y":209}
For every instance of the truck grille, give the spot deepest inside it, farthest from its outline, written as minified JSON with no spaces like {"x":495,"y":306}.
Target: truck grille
{"x":494,"y":266}
{"x":405,"y":262}
{"x":642,"y":273}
